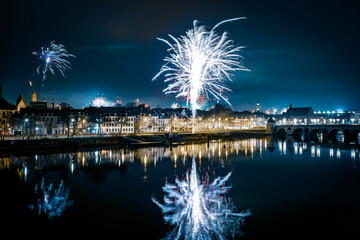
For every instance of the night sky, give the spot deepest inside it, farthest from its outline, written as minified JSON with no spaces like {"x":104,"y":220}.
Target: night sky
{"x":301,"y":52}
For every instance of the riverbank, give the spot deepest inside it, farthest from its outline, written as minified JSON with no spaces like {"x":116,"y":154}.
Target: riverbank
{"x":51,"y":145}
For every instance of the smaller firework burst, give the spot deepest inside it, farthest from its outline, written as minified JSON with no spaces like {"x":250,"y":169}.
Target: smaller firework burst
{"x":54,"y":56}
{"x":100,"y":102}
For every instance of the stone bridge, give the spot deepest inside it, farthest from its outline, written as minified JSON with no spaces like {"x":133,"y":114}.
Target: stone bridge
{"x":351,"y":133}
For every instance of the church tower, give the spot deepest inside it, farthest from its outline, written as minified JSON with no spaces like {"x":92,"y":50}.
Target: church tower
{"x":52,"y":104}
{"x":34,"y":97}
{"x":20,"y":102}
{"x":258,"y":106}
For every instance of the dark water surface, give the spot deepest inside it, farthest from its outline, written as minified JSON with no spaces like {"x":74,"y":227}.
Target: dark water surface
{"x":294,"y":190}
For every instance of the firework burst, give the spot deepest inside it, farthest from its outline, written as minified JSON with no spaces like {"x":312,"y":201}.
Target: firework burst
{"x":100,"y":102}
{"x":199,"y":64}
{"x":54,"y":56}
{"x":200,"y":210}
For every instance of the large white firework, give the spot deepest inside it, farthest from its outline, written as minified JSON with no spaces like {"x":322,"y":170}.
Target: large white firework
{"x":54,"y":56}
{"x":199,"y":64}
{"x":200,"y":210}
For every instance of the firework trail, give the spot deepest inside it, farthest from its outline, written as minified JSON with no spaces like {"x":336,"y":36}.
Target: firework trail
{"x":200,"y":210}
{"x":53,"y":57}
{"x":199,"y":63}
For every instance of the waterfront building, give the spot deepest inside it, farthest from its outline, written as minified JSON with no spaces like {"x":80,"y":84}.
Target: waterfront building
{"x":6,"y":111}
{"x":35,"y":104}
{"x":30,"y":122}
{"x":20,"y":102}
{"x":295,"y":116}
{"x":110,"y":120}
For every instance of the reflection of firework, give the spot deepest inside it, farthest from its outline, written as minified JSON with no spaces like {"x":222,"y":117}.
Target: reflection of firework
{"x":200,"y":210}
{"x":52,"y":202}
{"x":199,"y":63}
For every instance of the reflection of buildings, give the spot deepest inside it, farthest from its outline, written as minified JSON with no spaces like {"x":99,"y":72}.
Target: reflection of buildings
{"x":293,"y":148}
{"x":215,"y":152}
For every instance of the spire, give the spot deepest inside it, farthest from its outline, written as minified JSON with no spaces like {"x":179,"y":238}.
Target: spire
{"x":20,"y":99}
{"x":52,"y":104}
{"x":258,"y":106}
{"x":34,"y":97}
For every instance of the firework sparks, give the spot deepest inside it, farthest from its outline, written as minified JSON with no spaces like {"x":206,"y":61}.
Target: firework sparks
{"x":53,"y":57}
{"x":100,"y":102}
{"x":200,"y":210}
{"x":199,"y":63}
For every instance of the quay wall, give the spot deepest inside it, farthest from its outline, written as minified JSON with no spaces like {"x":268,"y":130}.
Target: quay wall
{"x":21,"y":146}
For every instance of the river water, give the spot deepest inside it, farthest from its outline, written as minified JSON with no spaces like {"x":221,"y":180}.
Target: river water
{"x":295,"y":190}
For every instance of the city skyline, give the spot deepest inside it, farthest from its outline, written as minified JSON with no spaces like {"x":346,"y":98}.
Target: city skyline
{"x":299,"y":53}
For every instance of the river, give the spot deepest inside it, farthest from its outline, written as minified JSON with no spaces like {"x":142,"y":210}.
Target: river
{"x":294,"y":190}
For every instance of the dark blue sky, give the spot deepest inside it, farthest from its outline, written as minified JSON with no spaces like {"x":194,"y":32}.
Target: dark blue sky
{"x":301,"y":52}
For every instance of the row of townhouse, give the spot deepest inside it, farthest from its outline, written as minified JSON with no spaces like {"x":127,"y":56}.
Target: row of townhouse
{"x":39,"y":119}
{"x":118,"y":120}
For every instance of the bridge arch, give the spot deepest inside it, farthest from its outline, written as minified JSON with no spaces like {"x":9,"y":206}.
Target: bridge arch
{"x":354,"y":136}
{"x":281,"y":133}
{"x":316,"y":134}
{"x":298,"y":134}
{"x":347,"y":133}
{"x":332,"y":134}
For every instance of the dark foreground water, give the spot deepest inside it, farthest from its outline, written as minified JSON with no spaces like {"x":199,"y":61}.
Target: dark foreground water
{"x":294,"y":190}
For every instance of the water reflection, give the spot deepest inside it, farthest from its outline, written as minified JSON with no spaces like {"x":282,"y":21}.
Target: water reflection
{"x":316,"y":149}
{"x":96,"y":163}
{"x":199,"y":209}
{"x":51,"y":201}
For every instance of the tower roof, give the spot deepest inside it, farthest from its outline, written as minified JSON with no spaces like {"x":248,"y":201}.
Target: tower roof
{"x":19,"y":99}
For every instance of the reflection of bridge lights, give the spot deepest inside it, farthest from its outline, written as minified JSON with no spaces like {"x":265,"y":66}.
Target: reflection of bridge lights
{"x":280,"y":147}
{"x":300,"y":150}
{"x":331,"y":152}
{"x":318,"y":152}
{"x":312,"y":151}
{"x":338,"y":153}
{"x":284,"y":148}
{"x":353,"y":153}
